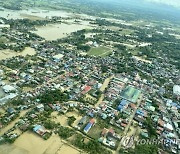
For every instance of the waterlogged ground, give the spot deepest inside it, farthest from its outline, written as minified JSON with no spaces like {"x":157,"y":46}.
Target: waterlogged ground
{"x":57,"y":31}
{"x":10,"y":14}
{"x":4,"y":54}
{"x":30,"y":143}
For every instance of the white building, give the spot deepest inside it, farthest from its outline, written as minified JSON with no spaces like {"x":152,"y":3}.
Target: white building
{"x":176,"y":90}
{"x":58,"y":57}
{"x":8,"y":88}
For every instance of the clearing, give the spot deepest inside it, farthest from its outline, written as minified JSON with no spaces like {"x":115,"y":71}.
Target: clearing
{"x":99,"y":51}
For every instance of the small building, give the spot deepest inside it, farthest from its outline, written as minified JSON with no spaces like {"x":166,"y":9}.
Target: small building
{"x":111,"y":132}
{"x":58,"y":57}
{"x":40,"y":107}
{"x":40,"y":130}
{"x":122,"y":105}
{"x":11,"y":110}
{"x":168,"y":127}
{"x":89,"y":125}
{"x":8,"y":88}
{"x":82,"y":120}
{"x":104,"y":132}
{"x":86,"y":89}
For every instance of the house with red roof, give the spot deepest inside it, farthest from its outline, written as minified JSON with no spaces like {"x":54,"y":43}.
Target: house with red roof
{"x":86,"y":89}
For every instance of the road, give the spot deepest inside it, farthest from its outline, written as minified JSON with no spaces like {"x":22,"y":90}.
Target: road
{"x":129,"y":124}
{"x":102,"y":89}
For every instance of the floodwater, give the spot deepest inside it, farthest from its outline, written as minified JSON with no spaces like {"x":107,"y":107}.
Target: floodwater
{"x":6,"y":128}
{"x":57,"y":31}
{"x":65,"y":149}
{"x":5,"y":54}
{"x":39,"y":13}
{"x":30,"y":143}
{"x":11,"y":14}
{"x":62,"y":119}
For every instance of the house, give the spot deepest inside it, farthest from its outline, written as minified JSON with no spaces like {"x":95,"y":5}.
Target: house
{"x":86,"y":89}
{"x":40,"y":107}
{"x":40,"y":130}
{"x":139,"y":118}
{"x":161,"y":123}
{"x":123,"y":124}
{"x":108,"y":143}
{"x":82,"y":121}
{"x":104,"y":132}
{"x":58,"y":57}
{"x":104,"y":116}
{"x":132,"y":105}
{"x":168,"y":127}
{"x":8,"y":88}
{"x":10,"y":110}
{"x":89,"y":125}
{"x":24,"y":127}
{"x":141,"y":112}
{"x":111,"y":132}
{"x":122,"y":105}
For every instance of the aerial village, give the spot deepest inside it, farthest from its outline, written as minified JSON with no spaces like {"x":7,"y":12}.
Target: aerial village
{"x":83,"y":96}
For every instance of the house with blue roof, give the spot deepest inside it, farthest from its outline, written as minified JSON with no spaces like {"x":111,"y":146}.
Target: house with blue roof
{"x":140,"y":112}
{"x":122,"y":105}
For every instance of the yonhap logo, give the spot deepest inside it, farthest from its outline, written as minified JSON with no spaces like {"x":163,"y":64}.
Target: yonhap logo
{"x":130,"y":141}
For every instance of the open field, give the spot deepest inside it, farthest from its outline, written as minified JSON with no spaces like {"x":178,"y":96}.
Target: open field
{"x":95,"y":131}
{"x":142,"y":59}
{"x":131,"y":94}
{"x":126,"y":32}
{"x":99,"y":51}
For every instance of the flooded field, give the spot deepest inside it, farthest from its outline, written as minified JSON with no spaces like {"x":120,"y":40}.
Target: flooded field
{"x":4,"y":54}
{"x":10,"y":14}
{"x":39,"y":14}
{"x":6,"y":128}
{"x":67,"y":149}
{"x":57,"y":31}
{"x":30,"y":143}
{"x":62,"y":119}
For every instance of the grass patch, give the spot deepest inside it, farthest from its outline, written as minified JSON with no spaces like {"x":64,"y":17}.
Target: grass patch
{"x":3,"y":40}
{"x":95,"y":131}
{"x":99,"y":51}
{"x":126,"y":32}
